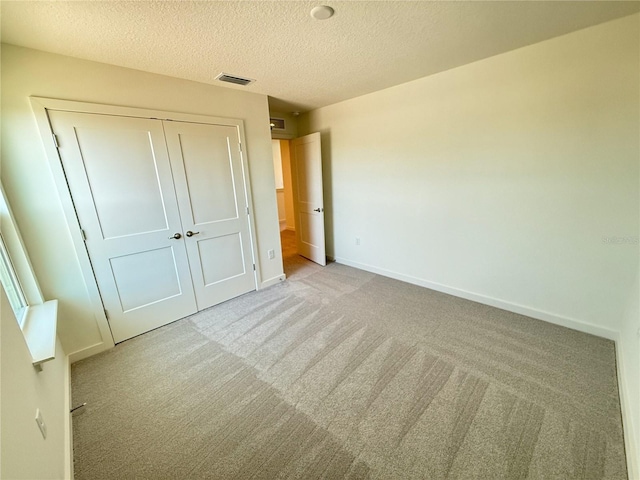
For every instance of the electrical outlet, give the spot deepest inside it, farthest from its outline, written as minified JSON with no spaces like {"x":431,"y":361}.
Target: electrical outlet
{"x":357,"y":240}
{"x":41,"y":425}
{"x":272,"y":254}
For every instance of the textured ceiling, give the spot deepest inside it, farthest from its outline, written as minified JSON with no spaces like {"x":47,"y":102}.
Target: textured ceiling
{"x":301,"y":63}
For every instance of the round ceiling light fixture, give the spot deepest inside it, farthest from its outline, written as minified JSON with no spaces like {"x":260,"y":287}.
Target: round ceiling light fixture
{"x":322,"y":12}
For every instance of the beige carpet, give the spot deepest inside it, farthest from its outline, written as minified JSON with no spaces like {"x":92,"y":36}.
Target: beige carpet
{"x":339,"y":373}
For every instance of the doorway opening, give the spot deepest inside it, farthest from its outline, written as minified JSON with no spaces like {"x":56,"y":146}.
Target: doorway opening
{"x":286,"y":216}
{"x":297,"y":166}
{"x":284,"y":189}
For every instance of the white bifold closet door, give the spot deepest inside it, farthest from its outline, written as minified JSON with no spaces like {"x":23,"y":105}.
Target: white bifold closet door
{"x":163,"y":209}
{"x":212,"y":198}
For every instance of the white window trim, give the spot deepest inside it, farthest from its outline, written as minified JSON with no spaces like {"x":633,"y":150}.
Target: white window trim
{"x":39,"y":323}
{"x":14,"y":281}
{"x":15,"y":246}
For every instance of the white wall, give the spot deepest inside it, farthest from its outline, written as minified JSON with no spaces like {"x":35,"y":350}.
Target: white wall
{"x":285,"y":150}
{"x":498,"y":180}
{"x":512,"y":181}
{"x":280,"y":194}
{"x":290,"y":123}
{"x":24,"y":454}
{"x":277,"y":163}
{"x":30,"y":188}
{"x":629,"y":365}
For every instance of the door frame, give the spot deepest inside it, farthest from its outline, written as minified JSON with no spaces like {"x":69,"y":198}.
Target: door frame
{"x":40,"y":106}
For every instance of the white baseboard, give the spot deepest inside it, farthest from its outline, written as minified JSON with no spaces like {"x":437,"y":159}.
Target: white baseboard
{"x":630,"y":440}
{"x":272,"y":281}
{"x":88,"y":352}
{"x":486,"y":300}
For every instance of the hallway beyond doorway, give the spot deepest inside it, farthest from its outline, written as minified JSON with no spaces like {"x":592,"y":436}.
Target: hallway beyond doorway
{"x":295,"y":266}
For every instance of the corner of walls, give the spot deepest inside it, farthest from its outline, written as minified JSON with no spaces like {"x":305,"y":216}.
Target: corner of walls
{"x":503,"y":304}
{"x":628,"y":362}
{"x":627,"y":407}
{"x":490,"y":182}
{"x":31,"y":190}
{"x":290,"y":123}
{"x":24,"y":453}
{"x":272,"y":281}
{"x":89,"y":351}
{"x":467,"y":182}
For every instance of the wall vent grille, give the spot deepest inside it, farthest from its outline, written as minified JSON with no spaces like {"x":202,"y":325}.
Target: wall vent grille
{"x":235,"y":79}
{"x":277,"y":123}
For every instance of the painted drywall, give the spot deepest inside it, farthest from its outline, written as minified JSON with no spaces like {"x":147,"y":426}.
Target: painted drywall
{"x":629,"y":365}
{"x":30,"y":188}
{"x":24,"y":453}
{"x":277,"y":163}
{"x":512,"y":181}
{"x":290,"y":124}
{"x":277,"y":170}
{"x":282,"y":220}
{"x":285,"y":149}
{"x":508,"y":180}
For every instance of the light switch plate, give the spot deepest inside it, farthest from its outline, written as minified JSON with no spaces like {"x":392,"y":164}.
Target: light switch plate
{"x":41,"y":425}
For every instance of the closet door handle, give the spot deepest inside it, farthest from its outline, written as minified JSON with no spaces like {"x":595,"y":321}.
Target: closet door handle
{"x":175,"y":236}
{"x":191,"y":234}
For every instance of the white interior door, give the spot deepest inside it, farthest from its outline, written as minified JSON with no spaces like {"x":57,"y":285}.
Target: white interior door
{"x":210,"y":184}
{"x":120,"y":178}
{"x":306,"y":169}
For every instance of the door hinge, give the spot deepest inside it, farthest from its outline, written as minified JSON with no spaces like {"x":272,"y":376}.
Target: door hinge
{"x":247,"y":210}
{"x":254,"y":267}
{"x":84,"y":234}
{"x":106,"y":314}
{"x":240,"y":147}
{"x":55,"y":140}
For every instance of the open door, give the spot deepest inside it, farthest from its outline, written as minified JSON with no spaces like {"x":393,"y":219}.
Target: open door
{"x":306,"y":170}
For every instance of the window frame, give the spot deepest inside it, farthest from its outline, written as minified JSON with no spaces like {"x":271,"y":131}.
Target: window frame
{"x":18,"y":253}
{"x":14,"y":286}
{"x":38,"y":322}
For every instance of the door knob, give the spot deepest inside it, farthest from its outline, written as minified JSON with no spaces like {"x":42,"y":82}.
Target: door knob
{"x":191,"y":234}
{"x":176,"y":236}
{"x":317,"y":210}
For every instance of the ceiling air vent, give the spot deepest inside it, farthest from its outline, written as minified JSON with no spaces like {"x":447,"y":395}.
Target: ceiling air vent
{"x":225,"y":77}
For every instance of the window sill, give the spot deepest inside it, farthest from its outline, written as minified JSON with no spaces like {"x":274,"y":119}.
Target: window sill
{"x":39,"y":330}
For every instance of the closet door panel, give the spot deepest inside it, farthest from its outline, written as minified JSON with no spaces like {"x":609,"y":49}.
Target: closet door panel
{"x":120,"y":179}
{"x":209,"y":178}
